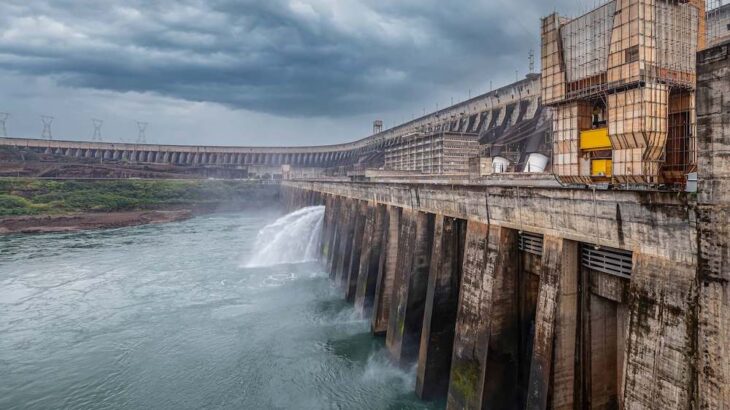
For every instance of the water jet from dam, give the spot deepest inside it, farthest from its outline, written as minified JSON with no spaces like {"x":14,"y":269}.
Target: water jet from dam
{"x":293,"y":238}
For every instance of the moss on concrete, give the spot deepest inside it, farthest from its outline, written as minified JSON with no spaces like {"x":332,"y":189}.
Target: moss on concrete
{"x":465,"y":378}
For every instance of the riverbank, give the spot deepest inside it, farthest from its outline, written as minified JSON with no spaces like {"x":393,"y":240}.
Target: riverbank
{"x":39,"y":206}
{"x":87,"y":221}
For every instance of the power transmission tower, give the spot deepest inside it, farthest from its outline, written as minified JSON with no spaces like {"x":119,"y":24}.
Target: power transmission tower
{"x":47,"y":121}
{"x":141,"y":137}
{"x":97,"y":129}
{"x":3,"y":119}
{"x":532,"y":60}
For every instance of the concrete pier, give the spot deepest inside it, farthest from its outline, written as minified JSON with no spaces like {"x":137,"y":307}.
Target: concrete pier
{"x":330,"y":218}
{"x":485,"y":265}
{"x":352,"y":269}
{"x":411,"y":281}
{"x":371,"y":257}
{"x":386,"y":272}
{"x":556,"y":299}
{"x":441,"y":307}
{"x":713,"y":322}
{"x":346,"y":235}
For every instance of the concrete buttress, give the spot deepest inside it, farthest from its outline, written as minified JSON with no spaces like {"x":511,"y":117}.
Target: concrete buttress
{"x":353,"y":266}
{"x":386,"y":272}
{"x":345,"y":247}
{"x":340,"y":214}
{"x":468,"y":365}
{"x":442,"y":298}
{"x":713,"y":123}
{"x":411,"y":282}
{"x":370,"y":258}
{"x":554,"y":325}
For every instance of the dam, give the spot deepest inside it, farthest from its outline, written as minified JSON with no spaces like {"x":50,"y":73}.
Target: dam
{"x":514,"y":294}
{"x":558,"y":243}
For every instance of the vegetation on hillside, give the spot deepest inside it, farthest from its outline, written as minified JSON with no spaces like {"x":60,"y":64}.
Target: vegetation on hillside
{"x":37,"y":197}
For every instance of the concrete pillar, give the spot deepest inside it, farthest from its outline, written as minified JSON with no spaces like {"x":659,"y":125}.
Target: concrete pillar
{"x":713,"y":272}
{"x":660,"y":349}
{"x":386,"y":272}
{"x":471,"y":336}
{"x":324,"y":246}
{"x":347,"y":232}
{"x":372,"y":247}
{"x":409,"y":294}
{"x":350,"y":283}
{"x":331,"y":214}
{"x":442,"y":302}
{"x":555,"y":326}
{"x":501,"y":380}
{"x":332,"y":258}
{"x":488,"y":264}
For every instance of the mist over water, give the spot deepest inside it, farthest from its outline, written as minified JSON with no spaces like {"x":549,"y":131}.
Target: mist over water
{"x":223,"y":311}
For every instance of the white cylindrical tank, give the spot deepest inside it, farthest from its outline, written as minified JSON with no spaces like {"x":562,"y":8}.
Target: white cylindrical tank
{"x":536,"y":163}
{"x":500,"y":165}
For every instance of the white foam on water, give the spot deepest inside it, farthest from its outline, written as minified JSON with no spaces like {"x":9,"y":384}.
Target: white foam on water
{"x":293,"y":238}
{"x":380,"y":370}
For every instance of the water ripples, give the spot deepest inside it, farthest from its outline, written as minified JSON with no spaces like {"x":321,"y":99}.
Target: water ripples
{"x":165,"y":317}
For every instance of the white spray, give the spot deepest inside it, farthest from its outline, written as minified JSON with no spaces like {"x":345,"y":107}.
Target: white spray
{"x":293,"y":238}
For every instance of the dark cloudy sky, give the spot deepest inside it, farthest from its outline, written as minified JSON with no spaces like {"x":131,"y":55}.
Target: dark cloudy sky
{"x":254,"y":72}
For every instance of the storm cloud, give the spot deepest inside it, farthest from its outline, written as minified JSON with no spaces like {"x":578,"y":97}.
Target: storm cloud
{"x":334,"y":59}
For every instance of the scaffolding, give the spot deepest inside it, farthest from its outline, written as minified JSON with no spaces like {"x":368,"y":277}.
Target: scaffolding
{"x":718,"y":21}
{"x":627,"y":68}
{"x":439,"y":153}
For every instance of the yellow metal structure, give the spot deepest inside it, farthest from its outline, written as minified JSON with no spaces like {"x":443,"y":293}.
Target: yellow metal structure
{"x":601,"y":168}
{"x":594,"y":140}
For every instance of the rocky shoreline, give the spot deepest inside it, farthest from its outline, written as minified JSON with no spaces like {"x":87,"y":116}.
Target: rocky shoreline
{"x":89,"y":220}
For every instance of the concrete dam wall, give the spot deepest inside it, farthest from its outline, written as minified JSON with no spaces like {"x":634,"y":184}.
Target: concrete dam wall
{"x":521,"y":297}
{"x":528,"y":297}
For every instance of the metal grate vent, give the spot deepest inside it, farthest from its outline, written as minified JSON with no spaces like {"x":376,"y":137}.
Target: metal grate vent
{"x":532,"y":243}
{"x":608,"y":260}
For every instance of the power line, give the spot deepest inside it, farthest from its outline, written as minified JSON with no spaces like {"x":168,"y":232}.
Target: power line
{"x":47,"y":121}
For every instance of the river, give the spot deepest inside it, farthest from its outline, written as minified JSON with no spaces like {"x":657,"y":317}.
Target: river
{"x":199,"y":314}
